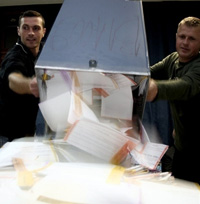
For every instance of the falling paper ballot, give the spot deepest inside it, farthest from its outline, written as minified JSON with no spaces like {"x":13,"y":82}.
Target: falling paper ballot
{"x":113,"y":146}
{"x":56,"y":110}
{"x":99,"y":140}
{"x":122,"y":107}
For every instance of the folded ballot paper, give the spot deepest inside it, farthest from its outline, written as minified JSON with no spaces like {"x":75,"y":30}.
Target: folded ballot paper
{"x":113,"y":146}
{"x":94,"y":112}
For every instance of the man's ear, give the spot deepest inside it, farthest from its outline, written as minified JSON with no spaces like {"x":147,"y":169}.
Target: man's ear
{"x":18,"y":31}
{"x":44,"y":31}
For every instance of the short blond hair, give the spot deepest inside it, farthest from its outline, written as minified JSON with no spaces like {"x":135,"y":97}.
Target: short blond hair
{"x":190,"y":22}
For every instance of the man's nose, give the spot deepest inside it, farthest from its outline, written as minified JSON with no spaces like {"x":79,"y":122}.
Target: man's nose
{"x":31,"y":32}
{"x":185,"y":41}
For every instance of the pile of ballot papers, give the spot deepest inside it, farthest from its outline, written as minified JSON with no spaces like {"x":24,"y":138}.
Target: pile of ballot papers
{"x":37,"y":172}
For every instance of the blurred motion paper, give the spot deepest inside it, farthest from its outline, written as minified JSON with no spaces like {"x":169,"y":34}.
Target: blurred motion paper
{"x":99,"y":140}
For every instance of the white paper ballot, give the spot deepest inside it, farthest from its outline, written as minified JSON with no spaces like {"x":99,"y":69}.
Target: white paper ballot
{"x":59,"y":83}
{"x":148,"y":154}
{"x":34,"y":154}
{"x":121,"y":80}
{"x":83,"y":81}
{"x":78,"y":110}
{"x":56,"y":110}
{"x":99,"y":140}
{"x":118,"y":105}
{"x":142,"y":86}
{"x":87,"y":97}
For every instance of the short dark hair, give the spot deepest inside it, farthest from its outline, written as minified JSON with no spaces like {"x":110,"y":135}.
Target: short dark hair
{"x":31,"y":13}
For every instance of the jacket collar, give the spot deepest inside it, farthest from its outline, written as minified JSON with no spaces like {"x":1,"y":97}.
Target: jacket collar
{"x":25,"y":49}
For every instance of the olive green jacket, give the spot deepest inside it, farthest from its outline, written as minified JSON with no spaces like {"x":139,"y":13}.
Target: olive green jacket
{"x":179,"y":83}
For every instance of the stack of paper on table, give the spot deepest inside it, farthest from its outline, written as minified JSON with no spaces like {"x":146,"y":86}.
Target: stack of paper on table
{"x":35,"y":155}
{"x":92,"y":183}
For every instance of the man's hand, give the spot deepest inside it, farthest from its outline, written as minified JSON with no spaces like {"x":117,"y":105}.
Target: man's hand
{"x":152,"y":90}
{"x":23,"y":85}
{"x":34,"y":87}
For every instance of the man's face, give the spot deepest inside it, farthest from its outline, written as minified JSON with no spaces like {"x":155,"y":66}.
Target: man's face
{"x":31,"y":32}
{"x":187,"y":42}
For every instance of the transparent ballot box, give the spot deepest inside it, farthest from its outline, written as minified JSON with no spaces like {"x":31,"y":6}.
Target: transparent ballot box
{"x":94,"y":68}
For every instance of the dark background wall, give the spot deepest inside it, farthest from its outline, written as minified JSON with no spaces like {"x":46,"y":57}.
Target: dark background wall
{"x":161,"y":20}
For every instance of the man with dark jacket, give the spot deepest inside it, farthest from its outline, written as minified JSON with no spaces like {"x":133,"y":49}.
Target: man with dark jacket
{"x":19,"y":95}
{"x":177,"y":79}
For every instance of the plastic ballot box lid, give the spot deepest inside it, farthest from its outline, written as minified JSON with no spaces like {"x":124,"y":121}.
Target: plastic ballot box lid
{"x":97,"y":35}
